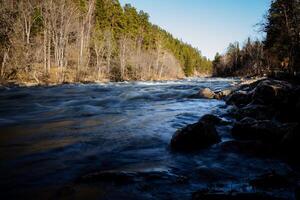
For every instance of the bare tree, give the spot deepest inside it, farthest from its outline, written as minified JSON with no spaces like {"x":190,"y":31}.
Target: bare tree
{"x":99,"y":47}
{"x":85,"y":35}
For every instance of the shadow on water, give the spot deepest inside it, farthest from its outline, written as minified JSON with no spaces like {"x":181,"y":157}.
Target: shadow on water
{"x":50,"y":137}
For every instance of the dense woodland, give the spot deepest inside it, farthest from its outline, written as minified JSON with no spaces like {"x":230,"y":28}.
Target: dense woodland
{"x":279,"y":51}
{"x":58,"y":41}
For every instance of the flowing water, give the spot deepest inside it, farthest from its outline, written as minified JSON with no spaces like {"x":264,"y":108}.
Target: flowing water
{"x":51,"y":136}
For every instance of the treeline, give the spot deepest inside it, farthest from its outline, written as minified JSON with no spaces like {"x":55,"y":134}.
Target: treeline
{"x":279,"y":51}
{"x":88,"y":40}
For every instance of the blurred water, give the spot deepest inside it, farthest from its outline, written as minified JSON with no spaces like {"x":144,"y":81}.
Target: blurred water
{"x":51,"y":135}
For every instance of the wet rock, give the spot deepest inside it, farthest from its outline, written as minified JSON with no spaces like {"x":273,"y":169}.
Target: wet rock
{"x":222,"y":94}
{"x":206,"y":93}
{"x":272,"y":91}
{"x":259,"y":112}
{"x":211,"y":119}
{"x":267,"y":131}
{"x":196,"y":136}
{"x":239,"y":98}
{"x":221,"y":195}
{"x":270,"y":180}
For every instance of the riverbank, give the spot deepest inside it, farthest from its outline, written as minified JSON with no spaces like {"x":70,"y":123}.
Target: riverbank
{"x":104,"y":81}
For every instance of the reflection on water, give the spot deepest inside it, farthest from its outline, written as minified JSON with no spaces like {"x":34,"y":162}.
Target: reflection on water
{"x":51,"y":136}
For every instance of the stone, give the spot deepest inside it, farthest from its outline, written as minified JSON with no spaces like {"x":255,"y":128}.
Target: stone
{"x":196,"y":136}
{"x":267,"y":131}
{"x":206,"y":93}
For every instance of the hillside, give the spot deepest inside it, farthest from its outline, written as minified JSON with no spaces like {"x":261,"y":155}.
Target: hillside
{"x":87,"y":41}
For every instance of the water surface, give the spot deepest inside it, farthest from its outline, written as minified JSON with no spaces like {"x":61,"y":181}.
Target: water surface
{"x":50,"y":136}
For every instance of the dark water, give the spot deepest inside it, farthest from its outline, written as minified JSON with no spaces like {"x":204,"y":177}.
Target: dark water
{"x":51,"y":136}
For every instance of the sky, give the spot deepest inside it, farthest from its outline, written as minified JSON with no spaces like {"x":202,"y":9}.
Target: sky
{"x":209,"y":25}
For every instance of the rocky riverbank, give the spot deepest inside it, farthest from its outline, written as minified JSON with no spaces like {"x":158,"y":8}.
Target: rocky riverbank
{"x":264,"y":121}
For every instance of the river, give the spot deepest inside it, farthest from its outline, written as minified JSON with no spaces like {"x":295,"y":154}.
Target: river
{"x":50,"y":136}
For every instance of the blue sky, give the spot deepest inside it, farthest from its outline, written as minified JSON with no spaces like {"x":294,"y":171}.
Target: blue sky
{"x":209,"y":25}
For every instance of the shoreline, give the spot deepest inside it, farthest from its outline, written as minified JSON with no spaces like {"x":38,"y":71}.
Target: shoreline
{"x":34,"y":84}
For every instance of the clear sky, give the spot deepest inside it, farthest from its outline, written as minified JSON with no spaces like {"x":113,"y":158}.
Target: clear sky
{"x":209,"y":25}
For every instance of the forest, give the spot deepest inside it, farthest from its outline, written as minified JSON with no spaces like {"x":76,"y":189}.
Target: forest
{"x":64,"y":41}
{"x":278,"y":51}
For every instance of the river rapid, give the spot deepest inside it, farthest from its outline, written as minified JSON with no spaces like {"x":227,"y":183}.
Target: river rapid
{"x":52,"y":136}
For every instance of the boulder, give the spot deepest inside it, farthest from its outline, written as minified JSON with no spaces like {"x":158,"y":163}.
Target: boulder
{"x":206,"y":93}
{"x":196,"y":136}
{"x":259,"y":112}
{"x":211,"y":119}
{"x":239,"y":98}
{"x":272,"y":91}
{"x":267,"y":131}
{"x":222,"y":94}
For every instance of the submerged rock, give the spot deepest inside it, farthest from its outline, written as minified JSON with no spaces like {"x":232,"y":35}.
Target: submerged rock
{"x":196,"y":136}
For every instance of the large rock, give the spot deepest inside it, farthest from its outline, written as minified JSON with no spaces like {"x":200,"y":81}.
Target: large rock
{"x":267,"y":131}
{"x":196,"y":136}
{"x":206,"y":93}
{"x":272,"y":91}
{"x":259,"y":112}
{"x":239,"y":98}
{"x":222,"y":94}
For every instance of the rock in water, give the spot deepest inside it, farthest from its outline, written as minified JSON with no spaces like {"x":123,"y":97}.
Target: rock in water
{"x":266,"y":131}
{"x":206,"y":93}
{"x":196,"y":136}
{"x":222,"y":94}
{"x":239,"y":98}
{"x":272,"y":92}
